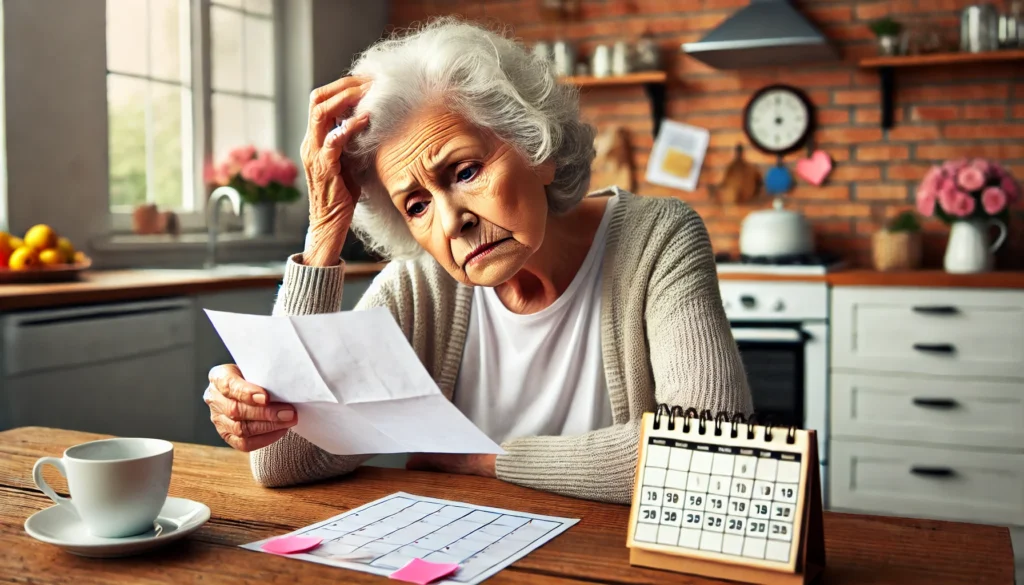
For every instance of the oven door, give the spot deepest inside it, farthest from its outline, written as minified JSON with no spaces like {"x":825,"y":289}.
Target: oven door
{"x":774,"y":357}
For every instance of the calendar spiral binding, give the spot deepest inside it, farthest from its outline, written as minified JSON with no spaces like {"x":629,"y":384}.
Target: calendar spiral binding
{"x":735,"y":419}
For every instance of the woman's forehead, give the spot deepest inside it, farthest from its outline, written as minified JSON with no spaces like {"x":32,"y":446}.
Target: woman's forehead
{"x":424,"y":143}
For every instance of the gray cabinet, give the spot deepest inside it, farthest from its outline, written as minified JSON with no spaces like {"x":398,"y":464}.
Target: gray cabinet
{"x":111,"y":368}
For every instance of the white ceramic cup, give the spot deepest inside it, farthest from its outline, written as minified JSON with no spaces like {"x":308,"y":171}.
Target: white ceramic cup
{"x":117,"y":486}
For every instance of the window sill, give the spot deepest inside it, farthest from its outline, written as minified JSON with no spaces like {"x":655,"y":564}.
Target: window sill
{"x":192,"y":241}
{"x":189,"y":249}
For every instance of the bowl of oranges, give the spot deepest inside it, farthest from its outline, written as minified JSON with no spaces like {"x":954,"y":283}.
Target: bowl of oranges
{"x":41,"y":255}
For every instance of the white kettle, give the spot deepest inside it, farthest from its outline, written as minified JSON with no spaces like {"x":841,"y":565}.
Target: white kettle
{"x":775,"y":232}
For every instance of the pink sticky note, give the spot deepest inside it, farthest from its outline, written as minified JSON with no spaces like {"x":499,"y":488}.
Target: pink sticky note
{"x":422,"y":572}
{"x":289,"y":545}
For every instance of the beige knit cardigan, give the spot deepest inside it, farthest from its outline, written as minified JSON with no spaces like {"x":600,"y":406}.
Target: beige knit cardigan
{"x":664,"y":338}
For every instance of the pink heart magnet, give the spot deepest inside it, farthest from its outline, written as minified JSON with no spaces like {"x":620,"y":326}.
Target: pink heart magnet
{"x":815,"y":170}
{"x":289,"y":545}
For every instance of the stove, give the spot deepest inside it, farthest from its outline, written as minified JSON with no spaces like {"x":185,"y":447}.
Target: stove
{"x":782,"y":332}
{"x":795,"y":264}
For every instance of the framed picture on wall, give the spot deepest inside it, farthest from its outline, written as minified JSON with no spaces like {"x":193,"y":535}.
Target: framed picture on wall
{"x":677,"y":155}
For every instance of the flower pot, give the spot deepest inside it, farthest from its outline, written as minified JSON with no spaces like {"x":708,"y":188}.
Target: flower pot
{"x":968,"y":250}
{"x":260,"y":218}
{"x":896,"y":250}
{"x":888,"y":45}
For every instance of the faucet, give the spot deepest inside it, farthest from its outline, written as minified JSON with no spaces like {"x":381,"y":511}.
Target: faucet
{"x":213,"y":218}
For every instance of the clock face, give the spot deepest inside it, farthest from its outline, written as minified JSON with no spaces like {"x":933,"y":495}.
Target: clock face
{"x":778,"y":119}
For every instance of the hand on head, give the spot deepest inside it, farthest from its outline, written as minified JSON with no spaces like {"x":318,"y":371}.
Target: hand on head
{"x":332,"y":191}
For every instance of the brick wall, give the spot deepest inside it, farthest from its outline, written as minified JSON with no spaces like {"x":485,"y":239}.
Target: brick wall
{"x":942,"y":112}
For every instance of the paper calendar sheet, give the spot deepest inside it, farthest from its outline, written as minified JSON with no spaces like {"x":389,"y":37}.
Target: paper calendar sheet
{"x":727,"y":501}
{"x":384,"y":535}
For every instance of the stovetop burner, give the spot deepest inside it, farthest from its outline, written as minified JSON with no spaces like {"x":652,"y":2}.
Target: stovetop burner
{"x":810,"y":263}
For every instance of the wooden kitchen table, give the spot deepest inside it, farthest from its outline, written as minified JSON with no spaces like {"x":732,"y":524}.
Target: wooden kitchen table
{"x":861,"y":549}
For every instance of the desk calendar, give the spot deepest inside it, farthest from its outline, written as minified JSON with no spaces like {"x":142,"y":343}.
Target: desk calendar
{"x":719,"y":497}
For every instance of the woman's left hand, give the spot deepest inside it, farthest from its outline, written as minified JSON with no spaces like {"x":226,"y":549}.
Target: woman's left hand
{"x":482,"y":465}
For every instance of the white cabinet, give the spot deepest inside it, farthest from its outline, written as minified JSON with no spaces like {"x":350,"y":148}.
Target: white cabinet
{"x":949,"y":332}
{"x":111,"y":368}
{"x":927,"y":402}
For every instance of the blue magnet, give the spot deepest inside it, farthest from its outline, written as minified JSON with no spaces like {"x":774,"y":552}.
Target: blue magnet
{"x":778,"y":180}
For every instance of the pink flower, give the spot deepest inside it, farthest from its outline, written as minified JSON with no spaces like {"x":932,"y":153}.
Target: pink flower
{"x":1009,"y":186}
{"x":963,"y":205}
{"x":993,"y":199}
{"x":933,"y":178}
{"x":970,"y":179}
{"x":259,"y":170}
{"x":947,"y":196}
{"x":926,"y":202}
{"x":283,"y":171}
{"x":953,"y":166}
{"x":982,"y":165}
{"x":242,"y":154}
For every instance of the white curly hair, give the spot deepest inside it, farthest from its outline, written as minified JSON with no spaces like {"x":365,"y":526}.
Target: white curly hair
{"x":490,"y":80}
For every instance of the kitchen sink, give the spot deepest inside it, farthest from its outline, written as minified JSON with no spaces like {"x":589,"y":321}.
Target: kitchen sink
{"x":226,"y":270}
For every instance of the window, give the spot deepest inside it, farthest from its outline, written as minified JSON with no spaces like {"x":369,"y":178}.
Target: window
{"x":177,"y":97}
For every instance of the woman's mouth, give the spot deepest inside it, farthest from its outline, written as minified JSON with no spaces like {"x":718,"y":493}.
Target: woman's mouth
{"x":481,"y":251}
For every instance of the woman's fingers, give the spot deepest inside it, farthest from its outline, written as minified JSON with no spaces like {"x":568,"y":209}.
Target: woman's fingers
{"x":248,"y":428}
{"x":239,"y":411}
{"x":334,"y":144}
{"x":247,"y":444}
{"x":322,"y":115}
{"x":323,"y":92}
{"x":229,"y":381}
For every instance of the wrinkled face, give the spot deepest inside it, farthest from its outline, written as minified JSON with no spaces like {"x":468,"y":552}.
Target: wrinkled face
{"x":468,"y":198}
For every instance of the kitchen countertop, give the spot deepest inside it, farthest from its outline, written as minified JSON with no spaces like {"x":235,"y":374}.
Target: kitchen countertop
{"x":1011,"y":279}
{"x":102,"y":286}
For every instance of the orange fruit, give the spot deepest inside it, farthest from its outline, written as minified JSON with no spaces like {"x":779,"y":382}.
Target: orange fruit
{"x":41,"y":237}
{"x":24,"y":258}
{"x":15,"y":242}
{"x":51,"y":257}
{"x":66,"y":249}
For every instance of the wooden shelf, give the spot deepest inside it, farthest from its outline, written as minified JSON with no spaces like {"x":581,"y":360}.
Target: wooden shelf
{"x":886,"y":67}
{"x":653,"y":83}
{"x":639,"y":78}
{"x":941,"y":59}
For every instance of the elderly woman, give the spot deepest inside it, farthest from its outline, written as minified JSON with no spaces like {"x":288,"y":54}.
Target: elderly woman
{"x":552,"y":318}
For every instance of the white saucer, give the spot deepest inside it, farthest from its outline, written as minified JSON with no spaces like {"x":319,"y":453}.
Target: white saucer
{"x":56,"y":525}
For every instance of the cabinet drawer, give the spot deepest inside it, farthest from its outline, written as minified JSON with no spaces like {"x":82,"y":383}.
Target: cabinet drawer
{"x":930,"y":482}
{"x":146,"y":396}
{"x":42,"y":340}
{"x":944,"y":411}
{"x":929,"y":331}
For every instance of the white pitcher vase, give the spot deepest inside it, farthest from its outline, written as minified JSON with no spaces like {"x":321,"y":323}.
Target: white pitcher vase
{"x":968,"y":249}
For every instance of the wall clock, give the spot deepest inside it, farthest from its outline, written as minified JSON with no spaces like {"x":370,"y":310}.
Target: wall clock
{"x":779,"y":119}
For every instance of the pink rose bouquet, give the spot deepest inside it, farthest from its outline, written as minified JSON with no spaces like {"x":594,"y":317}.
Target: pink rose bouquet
{"x":258,"y":175}
{"x":965,"y":189}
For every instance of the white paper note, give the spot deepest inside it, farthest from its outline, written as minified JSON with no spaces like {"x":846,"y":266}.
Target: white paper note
{"x":384,"y":535}
{"x":356,"y":383}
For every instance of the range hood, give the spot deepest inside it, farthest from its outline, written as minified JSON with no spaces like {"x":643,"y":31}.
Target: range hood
{"x":766,"y":33}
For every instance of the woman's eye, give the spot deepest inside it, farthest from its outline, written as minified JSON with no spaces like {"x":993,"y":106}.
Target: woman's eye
{"x":467,"y":173}
{"x":416,"y":209}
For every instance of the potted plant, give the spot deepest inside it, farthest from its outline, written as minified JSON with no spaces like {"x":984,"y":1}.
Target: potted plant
{"x":263,"y":178}
{"x":898,"y":245}
{"x":887,"y":31}
{"x":971,"y":196}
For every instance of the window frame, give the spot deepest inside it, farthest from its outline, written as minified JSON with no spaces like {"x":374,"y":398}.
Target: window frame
{"x":200,"y":54}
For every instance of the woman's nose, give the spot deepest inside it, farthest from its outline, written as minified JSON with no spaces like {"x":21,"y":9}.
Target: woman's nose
{"x":456,"y":220}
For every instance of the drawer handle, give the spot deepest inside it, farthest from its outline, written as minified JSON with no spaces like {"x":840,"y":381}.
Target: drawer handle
{"x":936,"y":402}
{"x":935,"y":347}
{"x":932,"y":471}
{"x":937,"y":310}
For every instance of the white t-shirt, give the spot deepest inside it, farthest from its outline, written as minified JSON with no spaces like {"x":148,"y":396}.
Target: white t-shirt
{"x":543,"y":373}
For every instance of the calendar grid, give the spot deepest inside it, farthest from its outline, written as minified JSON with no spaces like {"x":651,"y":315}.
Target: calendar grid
{"x":722,"y":499}
{"x":440,"y":537}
